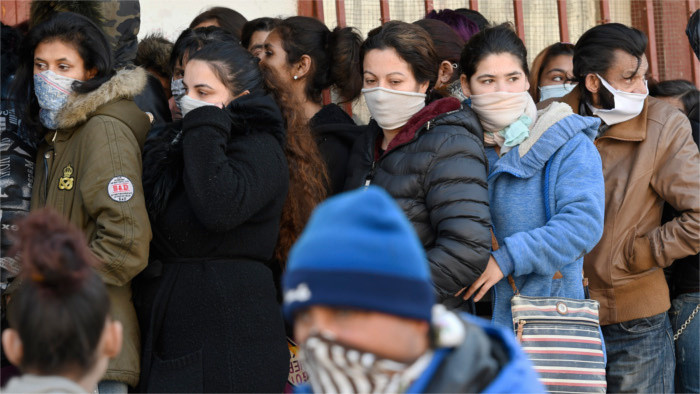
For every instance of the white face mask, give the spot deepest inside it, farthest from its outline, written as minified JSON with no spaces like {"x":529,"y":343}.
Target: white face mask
{"x":177,"y":88}
{"x":627,"y":105}
{"x":392,"y":108}
{"x":497,"y":110}
{"x":560,"y":90}
{"x":187,"y":104}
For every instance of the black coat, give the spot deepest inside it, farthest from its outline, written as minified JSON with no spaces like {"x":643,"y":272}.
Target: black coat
{"x":436,"y":170}
{"x":335,"y":132}
{"x":210,"y":320}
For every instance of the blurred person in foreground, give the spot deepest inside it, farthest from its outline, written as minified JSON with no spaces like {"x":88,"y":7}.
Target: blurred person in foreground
{"x":358,"y":290}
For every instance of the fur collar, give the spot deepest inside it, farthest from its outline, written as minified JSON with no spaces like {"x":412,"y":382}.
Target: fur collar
{"x":125,"y":84}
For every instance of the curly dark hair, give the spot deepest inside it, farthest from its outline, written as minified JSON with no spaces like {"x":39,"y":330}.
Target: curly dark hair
{"x":308,"y":176}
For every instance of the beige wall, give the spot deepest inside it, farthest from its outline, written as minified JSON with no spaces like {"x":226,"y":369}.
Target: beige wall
{"x":170,"y":17}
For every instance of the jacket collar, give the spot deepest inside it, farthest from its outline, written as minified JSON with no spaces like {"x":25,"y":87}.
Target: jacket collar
{"x":547,"y":144}
{"x":634,"y":129}
{"x":125,"y":84}
{"x":421,"y":118}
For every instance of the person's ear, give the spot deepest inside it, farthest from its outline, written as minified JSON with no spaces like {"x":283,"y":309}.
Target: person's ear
{"x":592,"y":83}
{"x":89,"y":74}
{"x":465,"y":85}
{"x":445,"y":72}
{"x":12,"y":345}
{"x":302,"y":67}
{"x":113,"y":337}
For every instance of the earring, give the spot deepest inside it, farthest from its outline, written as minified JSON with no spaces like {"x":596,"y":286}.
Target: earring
{"x":296,"y":77}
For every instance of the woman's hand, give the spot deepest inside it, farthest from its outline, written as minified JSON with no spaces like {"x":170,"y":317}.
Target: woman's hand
{"x":492,"y":274}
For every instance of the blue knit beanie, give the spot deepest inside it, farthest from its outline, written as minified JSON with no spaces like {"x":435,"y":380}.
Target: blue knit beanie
{"x":359,"y":251}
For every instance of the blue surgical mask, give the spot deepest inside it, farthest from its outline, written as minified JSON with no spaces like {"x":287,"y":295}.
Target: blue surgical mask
{"x":177,"y":87}
{"x":559,"y":90}
{"x":52,"y":92}
{"x":188,"y":104}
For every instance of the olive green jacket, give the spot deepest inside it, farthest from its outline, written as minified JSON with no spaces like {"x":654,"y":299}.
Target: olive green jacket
{"x":90,"y":171}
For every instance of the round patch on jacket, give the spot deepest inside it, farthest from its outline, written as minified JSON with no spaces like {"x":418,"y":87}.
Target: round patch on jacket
{"x":120,"y":189}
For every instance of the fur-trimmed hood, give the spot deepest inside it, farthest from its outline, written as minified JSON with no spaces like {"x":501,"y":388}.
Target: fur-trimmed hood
{"x":125,"y":84}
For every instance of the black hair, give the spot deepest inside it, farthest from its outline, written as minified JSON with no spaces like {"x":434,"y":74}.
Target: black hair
{"x":692,"y":30}
{"x":75,"y":30}
{"x":492,"y":40}
{"x":191,"y":40}
{"x":684,"y":90}
{"x":412,"y":43}
{"x":334,"y":55}
{"x":255,"y":25}
{"x":594,"y":52}
{"x":235,"y":67}
{"x":227,"y":19}
{"x":474,"y":16}
{"x":60,"y":309}
{"x":11,"y":41}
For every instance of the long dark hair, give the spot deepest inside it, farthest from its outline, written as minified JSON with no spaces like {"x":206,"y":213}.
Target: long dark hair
{"x":308,"y":177}
{"x":492,"y":40}
{"x":73,"y":29}
{"x":228,"y":19}
{"x":61,"y":307}
{"x":334,"y":55}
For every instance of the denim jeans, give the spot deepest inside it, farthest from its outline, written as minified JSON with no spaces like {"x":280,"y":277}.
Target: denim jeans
{"x":640,"y":355}
{"x":112,"y":387}
{"x":688,"y":343}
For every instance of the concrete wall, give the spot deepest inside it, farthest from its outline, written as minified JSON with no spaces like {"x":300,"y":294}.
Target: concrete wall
{"x":170,"y":17}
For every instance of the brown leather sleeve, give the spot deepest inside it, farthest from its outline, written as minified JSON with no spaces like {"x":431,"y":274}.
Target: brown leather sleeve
{"x":677,"y":181}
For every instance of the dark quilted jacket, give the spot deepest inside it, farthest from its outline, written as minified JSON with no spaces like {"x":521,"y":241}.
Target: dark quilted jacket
{"x":436,"y":170}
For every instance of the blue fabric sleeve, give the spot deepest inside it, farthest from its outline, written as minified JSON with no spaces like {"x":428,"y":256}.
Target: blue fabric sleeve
{"x":578,"y":201}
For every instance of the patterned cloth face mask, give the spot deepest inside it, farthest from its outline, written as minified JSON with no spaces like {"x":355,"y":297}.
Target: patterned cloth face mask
{"x":334,"y":368}
{"x":52,"y":92}
{"x":177,"y":87}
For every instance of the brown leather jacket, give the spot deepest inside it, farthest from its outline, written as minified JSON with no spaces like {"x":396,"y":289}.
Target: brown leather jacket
{"x":646,"y":160}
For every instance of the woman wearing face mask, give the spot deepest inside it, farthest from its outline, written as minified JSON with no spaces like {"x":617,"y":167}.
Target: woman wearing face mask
{"x":302,"y":58}
{"x":89,"y":161}
{"x":552,"y":72}
{"x":429,"y":158}
{"x":189,"y":41}
{"x":215,"y":187}
{"x":546,"y":190}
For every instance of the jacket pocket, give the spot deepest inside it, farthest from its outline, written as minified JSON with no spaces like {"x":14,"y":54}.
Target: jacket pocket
{"x":637,"y":253}
{"x":179,"y":375}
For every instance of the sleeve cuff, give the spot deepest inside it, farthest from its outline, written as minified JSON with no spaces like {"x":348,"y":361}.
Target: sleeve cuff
{"x":207,"y":116}
{"x":505,"y":263}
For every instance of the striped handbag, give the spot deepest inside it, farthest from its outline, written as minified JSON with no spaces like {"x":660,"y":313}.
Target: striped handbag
{"x":561,"y":338}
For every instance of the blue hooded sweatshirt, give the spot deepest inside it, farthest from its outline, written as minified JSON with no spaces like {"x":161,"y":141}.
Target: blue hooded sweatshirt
{"x":536,"y":237}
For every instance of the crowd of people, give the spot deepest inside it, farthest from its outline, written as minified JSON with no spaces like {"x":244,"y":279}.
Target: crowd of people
{"x":202,"y":220}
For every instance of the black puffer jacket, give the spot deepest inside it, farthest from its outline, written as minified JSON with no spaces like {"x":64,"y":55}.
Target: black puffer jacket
{"x":436,"y":170}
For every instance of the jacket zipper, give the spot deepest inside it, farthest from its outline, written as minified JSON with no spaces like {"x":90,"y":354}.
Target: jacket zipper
{"x":554,"y":321}
{"x":370,"y":175}
{"x":47,"y":156}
